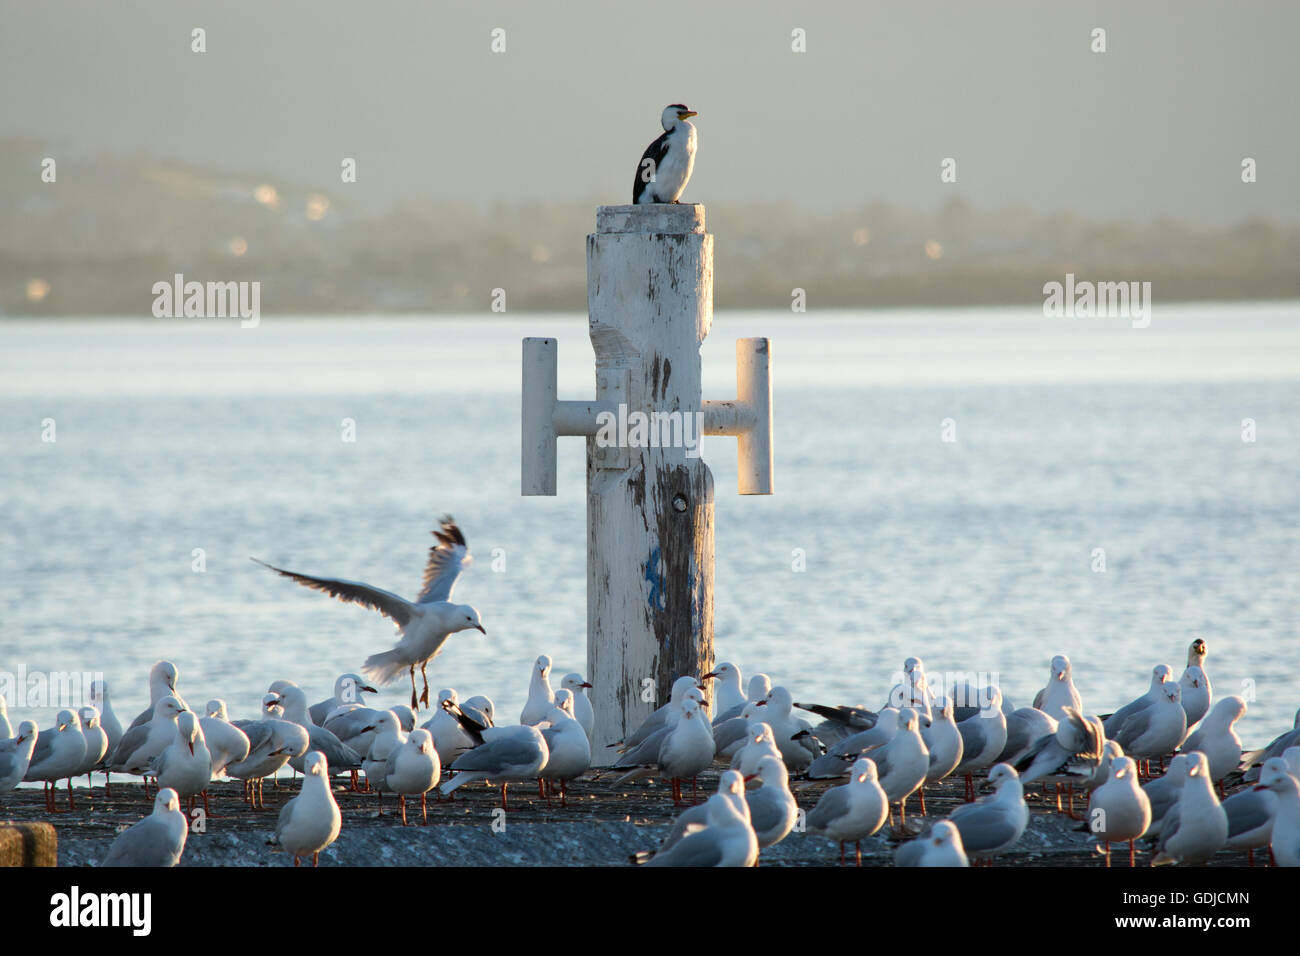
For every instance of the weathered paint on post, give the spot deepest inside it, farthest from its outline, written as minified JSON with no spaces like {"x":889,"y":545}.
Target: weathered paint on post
{"x":650,"y":506}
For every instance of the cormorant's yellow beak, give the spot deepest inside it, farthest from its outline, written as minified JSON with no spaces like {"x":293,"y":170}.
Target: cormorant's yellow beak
{"x":686,"y":114}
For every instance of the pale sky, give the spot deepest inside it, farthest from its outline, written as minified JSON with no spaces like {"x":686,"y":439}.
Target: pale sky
{"x":1156,"y":126}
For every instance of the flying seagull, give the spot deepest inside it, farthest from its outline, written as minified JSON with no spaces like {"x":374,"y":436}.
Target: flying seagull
{"x":666,"y":164}
{"x":425,"y":624}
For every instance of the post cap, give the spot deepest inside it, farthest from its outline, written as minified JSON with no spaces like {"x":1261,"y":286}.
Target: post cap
{"x":653,"y":218}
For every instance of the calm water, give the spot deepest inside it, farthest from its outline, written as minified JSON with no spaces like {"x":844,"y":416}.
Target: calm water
{"x":977,"y":555}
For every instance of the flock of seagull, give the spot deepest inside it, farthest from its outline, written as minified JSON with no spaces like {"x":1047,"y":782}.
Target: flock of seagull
{"x":882,"y":756}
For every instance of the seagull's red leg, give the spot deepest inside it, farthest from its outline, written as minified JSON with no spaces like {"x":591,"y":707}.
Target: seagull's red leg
{"x":922,"y":792}
{"x":858,"y":844}
{"x":401,"y":801}
{"x":424,"y":809}
{"x":1130,"y":854}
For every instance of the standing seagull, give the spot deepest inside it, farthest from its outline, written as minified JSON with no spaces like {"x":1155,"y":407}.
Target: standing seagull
{"x":667,"y":163}
{"x":425,"y":624}
{"x":157,"y":840}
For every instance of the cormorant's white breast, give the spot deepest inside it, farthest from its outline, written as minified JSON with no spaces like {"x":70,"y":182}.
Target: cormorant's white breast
{"x":667,"y":163}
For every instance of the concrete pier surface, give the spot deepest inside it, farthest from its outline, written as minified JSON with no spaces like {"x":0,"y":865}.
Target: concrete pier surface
{"x":601,"y":826}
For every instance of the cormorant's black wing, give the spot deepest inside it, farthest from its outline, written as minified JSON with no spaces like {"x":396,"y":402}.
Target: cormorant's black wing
{"x":655,"y":152}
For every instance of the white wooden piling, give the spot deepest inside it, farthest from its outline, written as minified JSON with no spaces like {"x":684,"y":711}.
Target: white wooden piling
{"x":649,"y":503}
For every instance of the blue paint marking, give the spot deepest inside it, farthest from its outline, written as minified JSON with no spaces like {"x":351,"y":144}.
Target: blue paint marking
{"x":655,"y":577}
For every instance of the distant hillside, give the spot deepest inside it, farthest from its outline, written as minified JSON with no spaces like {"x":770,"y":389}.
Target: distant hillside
{"x":95,"y":241}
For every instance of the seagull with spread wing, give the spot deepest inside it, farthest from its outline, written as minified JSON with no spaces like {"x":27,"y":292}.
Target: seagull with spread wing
{"x":425,"y":624}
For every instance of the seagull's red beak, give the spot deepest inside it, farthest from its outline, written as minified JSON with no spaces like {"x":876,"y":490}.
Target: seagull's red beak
{"x":480,"y":628}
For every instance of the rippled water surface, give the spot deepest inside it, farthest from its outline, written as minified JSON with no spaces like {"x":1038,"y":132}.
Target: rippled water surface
{"x":976,"y":554}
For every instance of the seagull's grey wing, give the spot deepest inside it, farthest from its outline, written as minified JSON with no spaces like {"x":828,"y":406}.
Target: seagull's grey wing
{"x":1017,"y":736}
{"x":698,"y":814}
{"x":982,"y":826}
{"x":8,"y":763}
{"x":766,"y":810}
{"x":447,"y":559}
{"x":912,"y":852}
{"x":1038,"y":699}
{"x":1162,"y":793}
{"x":858,"y":718}
{"x":1046,"y":762}
{"x":322,"y":710}
{"x":1194,"y":741}
{"x":646,"y":753}
{"x":974,"y":736}
{"x":131,"y":741}
{"x":1115,"y":722}
{"x":147,"y":843}
{"x":44,"y":744}
{"x":1168,"y":827}
{"x":159,"y":763}
{"x":731,"y":713}
{"x":830,"y":766}
{"x":862,"y":741}
{"x":881,"y":758}
{"x":390,"y":766}
{"x":549,"y":734}
{"x":1247,"y":810}
{"x":728,"y":732}
{"x":497,"y":755}
{"x":258,"y":732}
{"x":142,"y":718}
{"x":833,"y":805}
{"x":395,"y":608}
{"x":1133,"y":729}
{"x":350,"y":723}
{"x":1027,"y":760}
{"x":650,"y":725}
{"x":700,"y":848}
{"x":338,"y":755}
{"x":286,"y":814}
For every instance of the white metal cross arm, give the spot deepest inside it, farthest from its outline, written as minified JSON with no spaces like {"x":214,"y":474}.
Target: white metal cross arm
{"x":545,"y":418}
{"x":748,"y":417}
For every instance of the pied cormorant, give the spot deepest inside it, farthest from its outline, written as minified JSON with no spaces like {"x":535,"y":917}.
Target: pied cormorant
{"x":666,"y":165}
